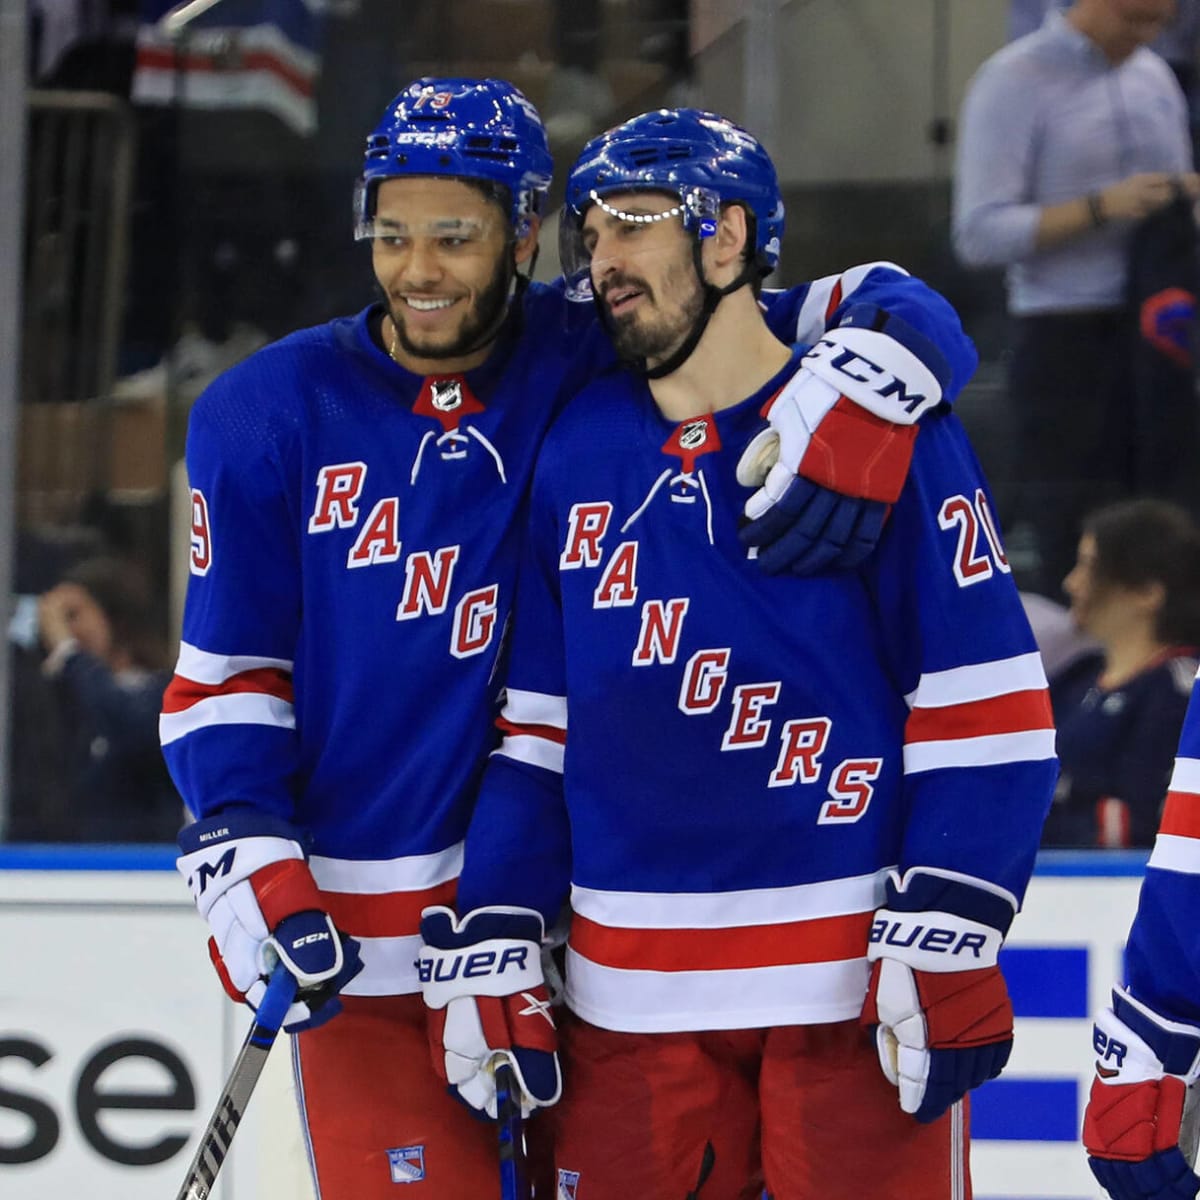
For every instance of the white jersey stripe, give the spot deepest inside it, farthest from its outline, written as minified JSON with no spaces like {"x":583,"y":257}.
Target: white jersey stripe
{"x":667,"y":1001}
{"x":535,"y":708}
{"x":1174,"y":853}
{"x":239,"y":708}
{"x":537,"y":751}
{"x":980,"y":681}
{"x":1032,"y":745}
{"x":730,"y":910}
{"x":412,"y":873}
{"x":1186,"y":776}
{"x":201,"y":666}
{"x":389,"y":967}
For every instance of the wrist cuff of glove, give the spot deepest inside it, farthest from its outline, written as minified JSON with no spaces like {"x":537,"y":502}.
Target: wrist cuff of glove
{"x":935,"y":889}
{"x":876,"y":371}
{"x":1177,"y":1046}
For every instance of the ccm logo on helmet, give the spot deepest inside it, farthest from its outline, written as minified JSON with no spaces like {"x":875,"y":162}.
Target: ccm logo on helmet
{"x":927,"y":937}
{"x":446,"y":967}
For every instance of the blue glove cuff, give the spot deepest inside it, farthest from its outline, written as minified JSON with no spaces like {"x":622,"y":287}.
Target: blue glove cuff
{"x":871,"y":316}
{"x":440,"y":930}
{"x":932,"y":890}
{"x":235,"y":823}
{"x":1176,"y":1045}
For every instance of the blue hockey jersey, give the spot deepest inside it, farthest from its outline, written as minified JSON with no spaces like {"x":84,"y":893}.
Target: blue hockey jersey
{"x":354,"y":548}
{"x":718,"y":767}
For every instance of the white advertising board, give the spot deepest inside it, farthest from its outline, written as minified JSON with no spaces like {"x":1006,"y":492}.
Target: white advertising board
{"x":115,"y":1040}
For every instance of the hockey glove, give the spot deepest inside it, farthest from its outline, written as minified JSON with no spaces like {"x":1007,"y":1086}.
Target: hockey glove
{"x":936,"y":999}
{"x":1132,"y":1127}
{"x":250,"y":881}
{"x":837,"y":451}
{"x":482,"y":980}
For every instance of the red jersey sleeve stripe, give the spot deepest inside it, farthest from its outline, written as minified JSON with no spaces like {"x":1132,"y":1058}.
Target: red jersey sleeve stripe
{"x":512,"y":729}
{"x":182,"y":693}
{"x":1015,"y":712}
{"x":1181,"y":815}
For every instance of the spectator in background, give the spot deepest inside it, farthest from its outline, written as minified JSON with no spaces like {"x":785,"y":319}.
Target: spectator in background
{"x":1068,"y":138}
{"x":109,"y":671}
{"x":1135,"y":589}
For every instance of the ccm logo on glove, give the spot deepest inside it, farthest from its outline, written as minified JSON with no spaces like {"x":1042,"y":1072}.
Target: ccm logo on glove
{"x":205,"y":873}
{"x":928,"y":937}
{"x":472,"y":966}
{"x":844,"y":356}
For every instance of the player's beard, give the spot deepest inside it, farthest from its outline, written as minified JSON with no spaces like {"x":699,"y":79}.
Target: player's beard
{"x":479,"y":326}
{"x":648,"y":333}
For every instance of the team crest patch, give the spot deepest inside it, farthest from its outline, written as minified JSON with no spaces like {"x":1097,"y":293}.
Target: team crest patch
{"x":568,"y":1184}
{"x":407,"y":1164}
{"x":447,"y":395}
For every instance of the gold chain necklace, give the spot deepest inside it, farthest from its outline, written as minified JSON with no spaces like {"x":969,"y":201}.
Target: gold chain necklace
{"x":392,"y":341}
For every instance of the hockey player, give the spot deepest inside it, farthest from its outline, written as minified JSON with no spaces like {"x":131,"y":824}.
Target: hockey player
{"x":779,"y":806}
{"x":358,"y":492}
{"x":1140,"y":1143}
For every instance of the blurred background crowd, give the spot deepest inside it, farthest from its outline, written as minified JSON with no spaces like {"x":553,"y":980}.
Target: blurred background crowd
{"x":186,"y":198}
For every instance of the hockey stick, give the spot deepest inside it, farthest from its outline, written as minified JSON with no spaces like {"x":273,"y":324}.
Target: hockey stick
{"x":513,"y":1185}
{"x":231,"y":1104}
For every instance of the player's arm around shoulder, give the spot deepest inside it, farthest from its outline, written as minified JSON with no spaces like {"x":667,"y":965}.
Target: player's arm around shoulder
{"x":885,"y":351}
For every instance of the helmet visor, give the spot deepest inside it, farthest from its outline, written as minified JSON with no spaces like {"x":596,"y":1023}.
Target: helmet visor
{"x":620,"y":229}
{"x":448,"y":230}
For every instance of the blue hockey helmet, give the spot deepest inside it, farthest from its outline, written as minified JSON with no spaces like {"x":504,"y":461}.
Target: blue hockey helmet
{"x":704,"y":158}
{"x":479,"y":129}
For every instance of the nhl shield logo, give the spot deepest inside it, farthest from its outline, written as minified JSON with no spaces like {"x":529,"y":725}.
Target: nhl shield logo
{"x":447,"y":395}
{"x":568,"y":1184}
{"x":407,"y":1164}
{"x":693,"y":435}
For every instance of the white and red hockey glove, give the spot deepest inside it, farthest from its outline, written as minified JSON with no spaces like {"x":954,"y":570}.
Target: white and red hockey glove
{"x":248,"y":875}
{"x":482,"y":981}
{"x":836,"y":452}
{"x":936,"y":999}
{"x":1138,"y":1140}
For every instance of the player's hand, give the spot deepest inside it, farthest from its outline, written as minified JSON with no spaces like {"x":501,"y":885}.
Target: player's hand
{"x":838,"y":446}
{"x":248,"y":875}
{"x":482,"y":981}
{"x":1132,"y":1124}
{"x":936,"y":999}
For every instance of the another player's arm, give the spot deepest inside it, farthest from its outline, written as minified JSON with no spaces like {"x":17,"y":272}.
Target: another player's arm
{"x":979,"y":772}
{"x":1147,"y":1042}
{"x":884,"y":349}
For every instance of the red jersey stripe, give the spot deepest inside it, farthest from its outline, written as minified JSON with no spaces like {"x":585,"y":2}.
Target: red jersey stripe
{"x":386,"y":914}
{"x":1181,"y":815}
{"x":1015,"y":712}
{"x":823,"y":939}
{"x":182,"y":692}
{"x":543,"y":731}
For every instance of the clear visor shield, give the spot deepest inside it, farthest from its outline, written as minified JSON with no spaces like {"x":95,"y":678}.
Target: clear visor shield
{"x":605,"y":232}
{"x":398,"y":228}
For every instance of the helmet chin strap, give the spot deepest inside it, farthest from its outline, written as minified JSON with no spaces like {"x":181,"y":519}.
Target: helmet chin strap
{"x":712,"y":297}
